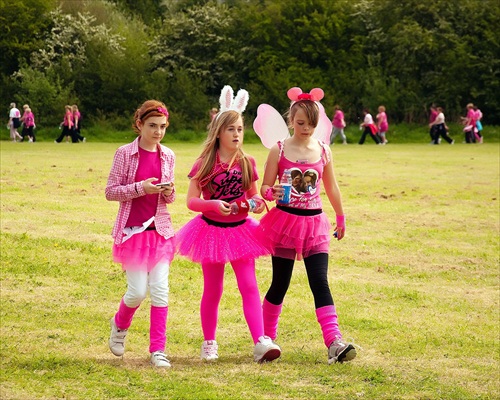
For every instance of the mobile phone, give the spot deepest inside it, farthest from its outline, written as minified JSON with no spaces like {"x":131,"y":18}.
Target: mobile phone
{"x":163,"y":184}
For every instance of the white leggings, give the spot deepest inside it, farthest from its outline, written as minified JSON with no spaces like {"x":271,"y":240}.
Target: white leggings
{"x":138,"y":282}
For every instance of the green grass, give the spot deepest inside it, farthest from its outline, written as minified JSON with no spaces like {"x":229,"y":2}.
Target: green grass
{"x":416,"y":283}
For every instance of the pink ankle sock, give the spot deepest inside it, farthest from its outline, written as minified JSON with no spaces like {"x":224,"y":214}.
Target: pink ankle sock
{"x":271,"y":314}
{"x":327,"y":318}
{"x":157,"y":328}
{"x":123,"y":318}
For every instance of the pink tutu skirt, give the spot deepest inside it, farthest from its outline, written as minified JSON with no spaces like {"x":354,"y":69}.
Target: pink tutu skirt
{"x":294,"y":236}
{"x":201,"y":241}
{"x":143,"y":251}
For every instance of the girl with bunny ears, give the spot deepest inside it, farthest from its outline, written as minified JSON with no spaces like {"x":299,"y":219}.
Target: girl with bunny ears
{"x":300,"y":229}
{"x":223,"y":174}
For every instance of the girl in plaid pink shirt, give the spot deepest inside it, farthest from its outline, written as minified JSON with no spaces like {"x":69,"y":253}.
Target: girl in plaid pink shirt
{"x":141,"y":179}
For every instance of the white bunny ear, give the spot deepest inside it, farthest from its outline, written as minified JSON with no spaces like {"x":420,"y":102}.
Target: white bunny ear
{"x":241,"y":101}
{"x":226,"y":98}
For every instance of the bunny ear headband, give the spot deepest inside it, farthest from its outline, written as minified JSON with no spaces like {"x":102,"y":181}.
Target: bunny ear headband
{"x":227,"y":102}
{"x":296,"y":94}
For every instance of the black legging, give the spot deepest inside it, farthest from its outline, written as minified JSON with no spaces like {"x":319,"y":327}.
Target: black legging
{"x":317,"y":274}
{"x":368,"y":132}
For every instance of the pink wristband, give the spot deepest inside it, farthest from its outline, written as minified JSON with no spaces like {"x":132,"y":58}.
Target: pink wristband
{"x":269,"y":194}
{"x":340,"y":220}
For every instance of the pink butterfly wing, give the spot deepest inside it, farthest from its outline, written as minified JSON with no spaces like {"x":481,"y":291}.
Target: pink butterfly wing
{"x":270,"y":125}
{"x":324,"y":128}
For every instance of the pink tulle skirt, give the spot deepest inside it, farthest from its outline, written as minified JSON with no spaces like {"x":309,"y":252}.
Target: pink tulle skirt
{"x":143,"y":251}
{"x":203,"y":242}
{"x":294,"y":236}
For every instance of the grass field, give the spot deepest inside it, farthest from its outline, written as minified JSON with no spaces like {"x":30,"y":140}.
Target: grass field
{"x":416,"y":283}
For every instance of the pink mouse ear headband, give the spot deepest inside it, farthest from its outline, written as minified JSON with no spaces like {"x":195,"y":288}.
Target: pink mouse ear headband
{"x":295,"y":94}
{"x":227,"y":102}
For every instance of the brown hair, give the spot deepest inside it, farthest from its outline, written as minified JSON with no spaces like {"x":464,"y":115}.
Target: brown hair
{"x":210,"y":148}
{"x":148,"y":109}
{"x":310,"y":108}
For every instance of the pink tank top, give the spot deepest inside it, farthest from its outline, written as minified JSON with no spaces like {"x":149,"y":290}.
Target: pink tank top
{"x":306,"y":179}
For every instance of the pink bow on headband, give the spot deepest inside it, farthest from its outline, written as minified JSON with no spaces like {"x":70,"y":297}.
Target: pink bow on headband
{"x":296,"y":94}
{"x":163,"y":110}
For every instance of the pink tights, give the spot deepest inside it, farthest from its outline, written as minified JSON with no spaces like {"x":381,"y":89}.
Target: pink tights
{"x":213,"y":276}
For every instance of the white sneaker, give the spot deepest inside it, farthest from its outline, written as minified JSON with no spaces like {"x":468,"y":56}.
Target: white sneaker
{"x":266,"y":350}
{"x":209,"y":350}
{"x":340,"y":352}
{"x":160,"y":360}
{"x":117,"y":339}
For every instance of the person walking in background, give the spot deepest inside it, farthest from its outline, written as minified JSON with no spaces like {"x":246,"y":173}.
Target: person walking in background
{"x":382,"y":124}
{"x":440,"y":128}
{"x":300,"y":229}
{"x":470,"y":129}
{"x":223,"y":233}
{"x":77,"y":120}
{"x":432,"y":117}
{"x":369,"y":128}
{"x":67,"y":127}
{"x":479,"y":125}
{"x":142,"y":181}
{"x":28,"y":120}
{"x":339,"y":124}
{"x":14,"y":122}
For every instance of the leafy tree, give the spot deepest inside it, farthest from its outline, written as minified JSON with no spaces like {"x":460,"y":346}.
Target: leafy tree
{"x":197,"y":41}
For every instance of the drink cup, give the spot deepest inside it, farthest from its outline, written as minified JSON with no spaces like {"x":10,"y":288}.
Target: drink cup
{"x":287,"y":188}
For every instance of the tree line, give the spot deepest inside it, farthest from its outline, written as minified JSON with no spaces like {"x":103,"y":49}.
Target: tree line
{"x":108,"y":56}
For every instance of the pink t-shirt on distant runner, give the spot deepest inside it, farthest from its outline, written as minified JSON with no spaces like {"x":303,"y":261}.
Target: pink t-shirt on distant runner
{"x":382,"y":121}
{"x":337,"y":119}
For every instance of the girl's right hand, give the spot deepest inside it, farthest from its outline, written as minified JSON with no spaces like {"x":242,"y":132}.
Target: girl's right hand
{"x":224,"y":208}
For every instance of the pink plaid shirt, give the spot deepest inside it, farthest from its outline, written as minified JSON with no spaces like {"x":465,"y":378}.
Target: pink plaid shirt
{"x":122,"y":187}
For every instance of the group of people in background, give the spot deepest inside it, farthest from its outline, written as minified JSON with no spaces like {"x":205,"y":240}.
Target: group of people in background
{"x":472,"y":124}
{"x":71,"y":126}
{"x":26,"y":121}
{"x":376,"y":130}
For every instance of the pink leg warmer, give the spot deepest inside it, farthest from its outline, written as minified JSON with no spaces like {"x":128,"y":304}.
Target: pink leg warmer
{"x":271,"y":314}
{"x":123,"y":318}
{"x":244,"y":269}
{"x":327,"y":318}
{"x":157,"y":328}
{"x":213,"y":284}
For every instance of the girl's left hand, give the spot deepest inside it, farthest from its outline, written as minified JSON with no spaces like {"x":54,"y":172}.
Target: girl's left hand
{"x":260,"y":205}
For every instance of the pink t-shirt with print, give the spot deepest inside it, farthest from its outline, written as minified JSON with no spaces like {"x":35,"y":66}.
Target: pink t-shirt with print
{"x":228,"y":187}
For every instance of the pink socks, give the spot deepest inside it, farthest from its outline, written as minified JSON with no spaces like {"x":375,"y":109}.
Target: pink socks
{"x":271,"y":313}
{"x":327,"y":318}
{"x":157,"y":328}
{"x":123,"y":318}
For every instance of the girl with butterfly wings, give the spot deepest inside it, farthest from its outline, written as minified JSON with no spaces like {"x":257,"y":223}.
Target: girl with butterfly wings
{"x":300,"y":229}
